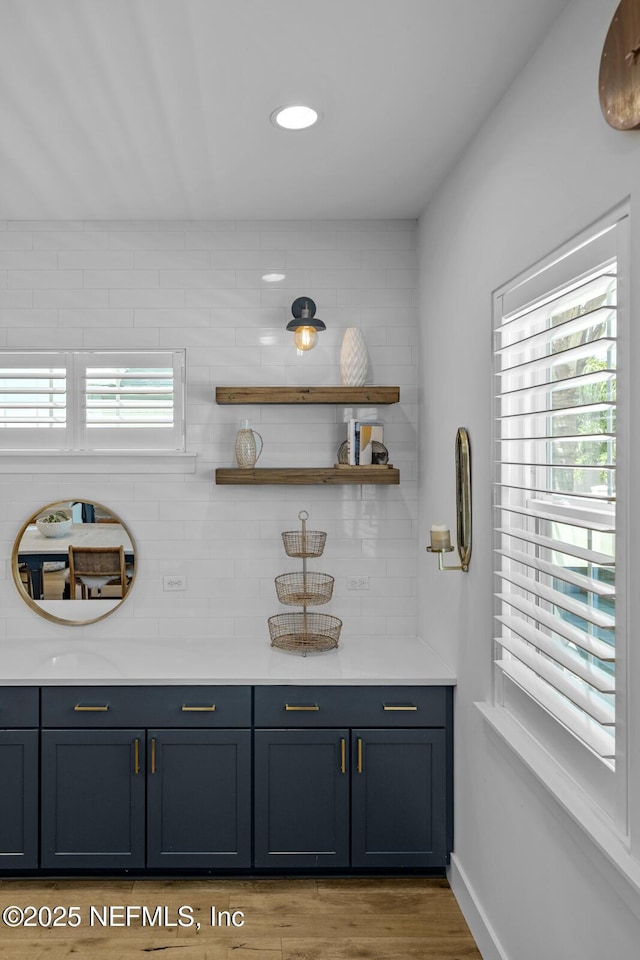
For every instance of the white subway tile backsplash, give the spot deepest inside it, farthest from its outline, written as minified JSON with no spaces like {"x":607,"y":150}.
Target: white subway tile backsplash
{"x":95,"y":260}
{"x":27,"y":318}
{"x":330,"y":259}
{"x":44,"y":279}
{"x":129,"y":279}
{"x":199,"y":285}
{"x":95,"y":317}
{"x":78,"y":298}
{"x":299,"y":239}
{"x":64,"y":239}
{"x":292,"y":280}
{"x":16,"y":298}
{"x":223,"y":297}
{"x":172,"y":259}
{"x":28,"y":260}
{"x":338,"y":279}
{"x":47,"y":338}
{"x":238,"y":239}
{"x":194,"y":279}
{"x":267,"y":261}
{"x":137,"y":239}
{"x":402,"y":278}
{"x":121,"y":337}
{"x":45,"y":225}
{"x":373,"y":239}
{"x":374,"y":299}
{"x":384,"y":259}
{"x":11,"y":240}
{"x":174,"y":317}
{"x":151,"y":298}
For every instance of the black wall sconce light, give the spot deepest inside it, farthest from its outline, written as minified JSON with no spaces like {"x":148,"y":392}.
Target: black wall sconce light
{"x":305,"y":325}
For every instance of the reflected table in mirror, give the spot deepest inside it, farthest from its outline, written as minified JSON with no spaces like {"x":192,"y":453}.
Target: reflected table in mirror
{"x":35,"y":549}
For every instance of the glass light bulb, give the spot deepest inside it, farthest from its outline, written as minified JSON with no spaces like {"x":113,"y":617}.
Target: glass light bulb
{"x":305,"y":338}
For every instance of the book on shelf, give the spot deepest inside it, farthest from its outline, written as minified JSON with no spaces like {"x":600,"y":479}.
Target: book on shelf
{"x":361,"y":435}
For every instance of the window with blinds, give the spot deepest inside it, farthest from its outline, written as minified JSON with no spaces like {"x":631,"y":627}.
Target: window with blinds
{"x":555,"y":494}
{"x":96,"y":400}
{"x":33,"y":399}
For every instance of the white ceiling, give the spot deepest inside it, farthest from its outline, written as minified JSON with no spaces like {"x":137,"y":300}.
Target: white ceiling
{"x":160,"y":109}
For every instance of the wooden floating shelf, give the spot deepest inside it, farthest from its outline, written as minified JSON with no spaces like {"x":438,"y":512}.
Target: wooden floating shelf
{"x":342,"y":474}
{"x":348,"y":395}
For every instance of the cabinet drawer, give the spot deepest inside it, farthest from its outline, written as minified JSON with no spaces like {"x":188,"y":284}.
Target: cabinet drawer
{"x":170,"y":706}
{"x":19,"y":707}
{"x":296,"y":706}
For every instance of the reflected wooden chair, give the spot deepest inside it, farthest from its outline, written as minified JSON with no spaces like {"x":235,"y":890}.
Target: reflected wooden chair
{"x":93,"y":568}
{"x":25,"y":578}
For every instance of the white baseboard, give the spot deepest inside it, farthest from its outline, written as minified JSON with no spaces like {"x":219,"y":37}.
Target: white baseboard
{"x":477,"y":921}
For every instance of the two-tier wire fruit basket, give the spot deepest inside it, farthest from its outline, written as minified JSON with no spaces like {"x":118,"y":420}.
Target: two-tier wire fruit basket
{"x":302,"y":632}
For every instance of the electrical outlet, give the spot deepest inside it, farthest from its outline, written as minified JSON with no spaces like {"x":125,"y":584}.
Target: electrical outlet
{"x":357,"y":583}
{"x":174,"y":583}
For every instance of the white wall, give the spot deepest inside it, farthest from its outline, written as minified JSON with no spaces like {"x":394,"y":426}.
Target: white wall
{"x":198,"y":285}
{"x":543,"y":168}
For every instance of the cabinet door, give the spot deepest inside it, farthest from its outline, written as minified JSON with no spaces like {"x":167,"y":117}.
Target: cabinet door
{"x":199,"y":798}
{"x":302,"y":798}
{"x":93,"y":796}
{"x":18,"y":799}
{"x":399,"y":798}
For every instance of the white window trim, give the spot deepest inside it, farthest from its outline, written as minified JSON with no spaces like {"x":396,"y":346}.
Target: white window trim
{"x":109,"y":461}
{"x":559,"y":761}
{"x":579,"y":815}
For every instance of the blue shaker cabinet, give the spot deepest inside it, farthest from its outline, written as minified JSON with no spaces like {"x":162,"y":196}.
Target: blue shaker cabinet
{"x":19,"y":778}
{"x":302,"y":798}
{"x":179,"y":778}
{"x":171,"y":793}
{"x":332,"y":793}
{"x":398,"y":798}
{"x":93,"y":799}
{"x":199,"y":799}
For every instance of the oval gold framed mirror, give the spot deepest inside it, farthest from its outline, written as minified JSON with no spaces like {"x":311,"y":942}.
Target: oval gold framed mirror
{"x":463,"y":496}
{"x":74,"y":562}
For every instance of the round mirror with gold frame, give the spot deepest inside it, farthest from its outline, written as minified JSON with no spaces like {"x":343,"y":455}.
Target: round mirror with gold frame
{"x":74,"y":562}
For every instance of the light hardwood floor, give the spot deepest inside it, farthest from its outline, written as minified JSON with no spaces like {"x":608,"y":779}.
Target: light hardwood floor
{"x":289,"y":919}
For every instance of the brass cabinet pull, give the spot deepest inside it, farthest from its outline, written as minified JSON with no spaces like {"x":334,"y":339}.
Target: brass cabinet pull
{"x":80,"y":708}
{"x":208,"y":709}
{"x":136,"y":756}
{"x":400,"y":707}
{"x":292,"y":706}
{"x":343,"y":755}
{"x":359,"y":754}
{"x":153,"y":755}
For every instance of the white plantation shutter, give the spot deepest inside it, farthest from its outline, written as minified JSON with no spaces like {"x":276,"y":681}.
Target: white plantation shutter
{"x":92,"y":400}
{"x":555,"y":346}
{"x":132,"y":399}
{"x":33,"y":400}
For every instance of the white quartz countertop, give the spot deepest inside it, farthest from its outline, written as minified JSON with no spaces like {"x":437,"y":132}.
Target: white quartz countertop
{"x":357,"y":661}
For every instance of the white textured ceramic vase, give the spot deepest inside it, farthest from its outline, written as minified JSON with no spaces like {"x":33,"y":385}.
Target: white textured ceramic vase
{"x":354,"y":359}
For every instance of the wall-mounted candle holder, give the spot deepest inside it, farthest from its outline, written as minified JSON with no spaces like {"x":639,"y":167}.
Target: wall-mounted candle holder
{"x":440,"y":535}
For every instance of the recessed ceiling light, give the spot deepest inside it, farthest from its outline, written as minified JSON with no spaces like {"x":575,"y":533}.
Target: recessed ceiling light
{"x":273,"y":277}
{"x":296,"y":117}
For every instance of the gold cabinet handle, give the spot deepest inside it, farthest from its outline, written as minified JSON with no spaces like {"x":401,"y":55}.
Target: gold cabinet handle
{"x":359,"y":754}
{"x":390,"y":706}
{"x":153,"y":755}
{"x":207,"y":709}
{"x":343,"y":755}
{"x":292,"y":706}
{"x":136,"y":756}
{"x":81,"y":708}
